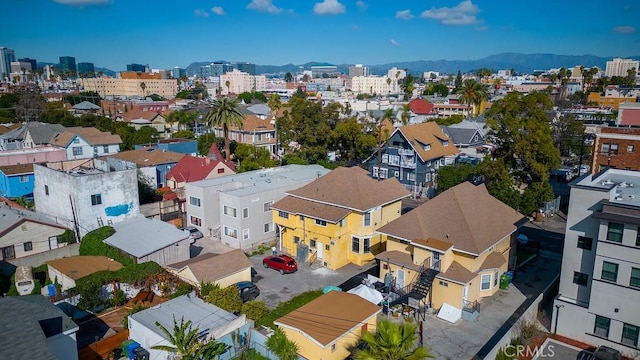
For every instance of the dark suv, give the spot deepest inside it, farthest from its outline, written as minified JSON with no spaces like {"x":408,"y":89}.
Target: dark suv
{"x":282,"y":263}
{"x":248,"y":290}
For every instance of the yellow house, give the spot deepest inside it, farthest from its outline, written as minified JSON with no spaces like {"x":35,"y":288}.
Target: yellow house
{"x":222,"y":269}
{"x":334,"y":218}
{"x":328,"y":326}
{"x":453,"y":248}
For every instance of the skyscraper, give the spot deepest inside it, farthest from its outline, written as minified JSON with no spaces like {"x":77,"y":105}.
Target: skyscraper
{"x":6,"y":57}
{"x":68,"y":63}
{"x":249,"y":68}
{"x":136,"y":67}
{"x":33,"y":62}
{"x":86,"y":69}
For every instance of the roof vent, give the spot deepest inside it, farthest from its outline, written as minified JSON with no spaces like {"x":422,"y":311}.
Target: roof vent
{"x":625,"y":184}
{"x":618,"y":198}
{"x":607,"y":182}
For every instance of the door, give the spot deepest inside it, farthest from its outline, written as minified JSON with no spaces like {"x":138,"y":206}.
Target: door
{"x":319,"y":248}
{"x":53,"y":242}
{"x":399,"y":279}
{"x":436,"y":261}
{"x":465,"y":295}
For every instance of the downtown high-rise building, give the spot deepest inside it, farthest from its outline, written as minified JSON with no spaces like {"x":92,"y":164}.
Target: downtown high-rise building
{"x":33,"y":62}
{"x":137,"y":67}
{"x":86,"y":69}
{"x":67,"y":64}
{"x":7,"y":56}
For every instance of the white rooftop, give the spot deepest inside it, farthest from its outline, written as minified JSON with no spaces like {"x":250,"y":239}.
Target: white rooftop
{"x":623,"y":185}
{"x":140,"y":236}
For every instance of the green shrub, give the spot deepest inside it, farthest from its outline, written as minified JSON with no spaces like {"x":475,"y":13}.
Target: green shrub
{"x":119,"y":299}
{"x":182,"y":289}
{"x":255,"y":310}
{"x":67,"y":237}
{"x":227,"y":298}
{"x":93,"y":244}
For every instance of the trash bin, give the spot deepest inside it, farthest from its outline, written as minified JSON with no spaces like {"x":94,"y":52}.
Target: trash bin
{"x":510,"y":275}
{"x":504,"y":281}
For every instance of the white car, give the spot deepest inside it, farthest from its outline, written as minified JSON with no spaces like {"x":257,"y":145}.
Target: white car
{"x":194,"y":233}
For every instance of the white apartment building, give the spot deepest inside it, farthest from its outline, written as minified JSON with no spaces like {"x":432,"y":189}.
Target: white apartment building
{"x":395,"y":73}
{"x":108,"y":86}
{"x":237,"y":82}
{"x":619,"y":67}
{"x":374,"y":85}
{"x":599,"y":296}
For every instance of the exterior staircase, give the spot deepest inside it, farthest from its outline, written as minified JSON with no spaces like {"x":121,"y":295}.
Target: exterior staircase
{"x":420,"y":290}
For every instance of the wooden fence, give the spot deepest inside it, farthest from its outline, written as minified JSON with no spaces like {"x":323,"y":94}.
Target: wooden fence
{"x":101,"y":349}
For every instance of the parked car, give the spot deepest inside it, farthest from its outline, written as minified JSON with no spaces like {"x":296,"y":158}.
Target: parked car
{"x":194,"y":233}
{"x":282,"y":263}
{"x":248,"y":290}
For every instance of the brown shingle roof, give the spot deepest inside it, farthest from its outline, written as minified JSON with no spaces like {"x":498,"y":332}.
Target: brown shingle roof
{"x":457,"y":273}
{"x":312,"y":209}
{"x":398,"y":258}
{"x":330,"y":316}
{"x":92,"y":135}
{"x":213,"y":267}
{"x":493,"y":261}
{"x":149,"y":156}
{"x":465,"y":215}
{"x":429,"y":133}
{"x":17,"y":169}
{"x":433,"y":244}
{"x":77,"y":267}
{"x":352,"y":188}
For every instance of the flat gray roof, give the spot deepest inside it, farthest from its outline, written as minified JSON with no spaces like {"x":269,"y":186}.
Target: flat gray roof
{"x":141,"y":236}
{"x":257,"y":181}
{"x":623,"y":185}
{"x":203,"y":316}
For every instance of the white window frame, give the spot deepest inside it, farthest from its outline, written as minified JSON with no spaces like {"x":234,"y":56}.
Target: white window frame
{"x":496,"y":275}
{"x":194,"y":201}
{"x":198,"y":221}
{"x":321,"y":222}
{"x":266,"y":207}
{"x":230,"y":211}
{"x":394,"y":160}
{"x":245,"y":234}
{"x":364,"y":219}
{"x":24,"y":178}
{"x":482,"y":282}
{"x":96,"y":199}
{"x":230,"y":232}
{"x":77,"y":150}
{"x":268,"y":226}
{"x":385,"y":158}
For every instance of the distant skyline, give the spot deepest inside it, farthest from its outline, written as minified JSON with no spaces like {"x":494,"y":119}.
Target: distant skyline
{"x":165,"y":34}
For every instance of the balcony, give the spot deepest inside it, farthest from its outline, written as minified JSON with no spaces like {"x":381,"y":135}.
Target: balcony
{"x":408,"y":164}
{"x":406,"y":152}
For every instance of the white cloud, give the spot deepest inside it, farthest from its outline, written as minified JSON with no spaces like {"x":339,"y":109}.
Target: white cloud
{"x":83,"y":2}
{"x":218,"y":10}
{"x":361,"y":5}
{"x":624,"y":29}
{"x":328,"y":7}
{"x":264,"y":6}
{"x":462,"y":14}
{"x":404,"y":15}
{"x":394,"y":43}
{"x":200,"y":13}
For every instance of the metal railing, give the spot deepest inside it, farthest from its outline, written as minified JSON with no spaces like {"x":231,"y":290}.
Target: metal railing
{"x":471,"y":306}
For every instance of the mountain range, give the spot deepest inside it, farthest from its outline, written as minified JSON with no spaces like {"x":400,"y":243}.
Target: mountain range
{"x":521,"y":63}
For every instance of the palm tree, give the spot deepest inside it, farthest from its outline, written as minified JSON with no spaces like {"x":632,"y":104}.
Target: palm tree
{"x":143,"y":86}
{"x":186,"y":345}
{"x":228,"y":84}
{"x":282,"y":347}
{"x":225,"y":113}
{"x":392,"y":341}
{"x":473,"y":93}
{"x":406,"y":114}
{"x":388,"y":87}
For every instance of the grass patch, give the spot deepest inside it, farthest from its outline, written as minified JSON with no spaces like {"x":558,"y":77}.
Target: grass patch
{"x":288,"y":306}
{"x":523,"y":255}
{"x":251,"y":354}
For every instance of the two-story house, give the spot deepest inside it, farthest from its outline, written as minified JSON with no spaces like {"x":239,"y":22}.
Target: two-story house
{"x":256,"y":130}
{"x":84,"y":143}
{"x":413,"y":154}
{"x":598,"y":299}
{"x":16,"y":181}
{"x":453,"y":248}
{"x":334,"y":219}
{"x":30,"y":135}
{"x":421,"y":110}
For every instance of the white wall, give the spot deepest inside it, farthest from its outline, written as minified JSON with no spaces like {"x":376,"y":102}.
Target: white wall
{"x":147,"y":338}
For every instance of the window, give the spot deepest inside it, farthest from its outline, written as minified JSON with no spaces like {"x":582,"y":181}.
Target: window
{"x":382,"y":173}
{"x":601,"y":327}
{"x":411,"y":176}
{"x":221,"y":171}
{"x":609,"y":271}
{"x":333,"y":347}
{"x":630,"y":335}
{"x":268,"y":227}
{"x":77,"y":150}
{"x":613,"y":149}
{"x":245,"y":234}
{"x":24,"y":178}
{"x":442,"y":283}
{"x":580,"y":278}
{"x":630,"y":148}
{"x":321,"y":222}
{"x":283,"y":214}
{"x":485,"y":282}
{"x":367,"y":219}
{"x":327,"y":247}
{"x":95,"y":150}
{"x":245,"y":213}
{"x":585,"y":242}
{"x":385,"y":158}
{"x":46,"y":190}
{"x":343,"y":222}
{"x":296,"y":239}
{"x":28,"y":246}
{"x":396,"y":173}
{"x":634,"y":281}
{"x":195,"y":221}
{"x":427,"y":147}
{"x":229,"y":211}
{"x":96,"y":199}
{"x":105,"y":149}
{"x":267,"y":206}
{"x":638,"y":237}
{"x":614,"y":232}
{"x":355,"y":245}
{"x":495,"y":278}
{"x":76,"y":141}
{"x":394,"y":160}
{"x":312,"y":243}
{"x":366,"y":245}
{"x":194,"y":201}
{"x":231,"y":232}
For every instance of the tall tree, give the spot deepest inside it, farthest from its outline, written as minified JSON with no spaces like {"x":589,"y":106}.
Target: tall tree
{"x":473,"y":93}
{"x":458,"y":82}
{"x":408,"y":85}
{"x":225,"y":113}
{"x":288,"y":77}
{"x":185,"y":343}
{"x":392,"y":341}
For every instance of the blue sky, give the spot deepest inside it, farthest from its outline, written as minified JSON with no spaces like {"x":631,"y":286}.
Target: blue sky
{"x":168,"y":33}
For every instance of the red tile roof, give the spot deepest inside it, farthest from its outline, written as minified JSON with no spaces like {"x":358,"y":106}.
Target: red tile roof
{"x":191,"y":168}
{"x":421,"y":107}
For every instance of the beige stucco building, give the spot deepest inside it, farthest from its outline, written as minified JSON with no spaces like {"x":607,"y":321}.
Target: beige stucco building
{"x":107,"y":86}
